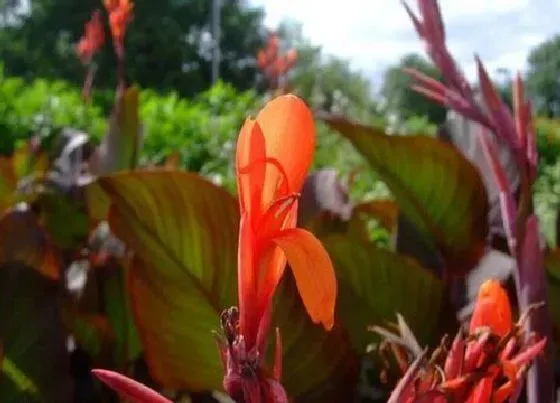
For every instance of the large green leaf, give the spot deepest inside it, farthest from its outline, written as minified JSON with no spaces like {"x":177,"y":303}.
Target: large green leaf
{"x":184,"y":231}
{"x":36,"y":365}
{"x":375,"y":284}
{"x":433,"y":184}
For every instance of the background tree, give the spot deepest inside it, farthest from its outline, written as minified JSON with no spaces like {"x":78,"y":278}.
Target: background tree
{"x":326,"y":81}
{"x":543,"y":78}
{"x":168,"y":43}
{"x":401,"y":99}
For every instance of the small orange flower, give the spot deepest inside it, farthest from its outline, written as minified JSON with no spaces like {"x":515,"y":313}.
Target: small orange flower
{"x":492,"y":309}
{"x":274,"y":153}
{"x":120,"y":14}
{"x":92,"y":40}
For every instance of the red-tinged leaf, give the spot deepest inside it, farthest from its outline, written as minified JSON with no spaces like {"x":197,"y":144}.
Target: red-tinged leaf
{"x":23,"y":240}
{"x":319,"y":366}
{"x":529,"y":354}
{"x":36,"y":362}
{"x":464,"y":134}
{"x":8,"y":183}
{"x":418,"y":25}
{"x":381,"y":283}
{"x":173,"y":160}
{"x":455,"y":356}
{"x":500,"y":115}
{"x":129,"y":388}
{"x":532,"y":289}
{"x":406,"y":382}
{"x":519,"y":110}
{"x":506,"y":198}
{"x":184,"y":230}
{"x":419,"y":171}
{"x":433,"y":24}
{"x":313,"y":272}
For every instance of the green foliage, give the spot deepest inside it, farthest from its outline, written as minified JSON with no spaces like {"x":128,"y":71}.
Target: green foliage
{"x":168,"y":36}
{"x":542,"y":77}
{"x":202,"y":130}
{"x":404,"y":101}
{"x":42,"y":107}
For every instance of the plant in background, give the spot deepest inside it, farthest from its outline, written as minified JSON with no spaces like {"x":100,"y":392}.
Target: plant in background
{"x":274,"y":65}
{"x":92,"y":40}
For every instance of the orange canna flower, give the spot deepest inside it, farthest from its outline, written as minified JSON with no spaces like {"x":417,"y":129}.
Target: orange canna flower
{"x":92,"y":40}
{"x":492,"y":309}
{"x":120,"y":14}
{"x":274,"y":153}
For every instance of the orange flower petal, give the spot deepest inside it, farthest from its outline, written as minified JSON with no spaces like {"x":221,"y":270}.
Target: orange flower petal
{"x":247,"y":286}
{"x":492,"y":309}
{"x":250,"y":166}
{"x":289,"y":131}
{"x":313,"y":272}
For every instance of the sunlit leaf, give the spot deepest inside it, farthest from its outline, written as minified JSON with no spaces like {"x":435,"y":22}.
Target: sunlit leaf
{"x":184,"y":231}
{"x":33,"y":337}
{"x":433,"y":184}
{"x":375,"y":284}
{"x":119,"y":314}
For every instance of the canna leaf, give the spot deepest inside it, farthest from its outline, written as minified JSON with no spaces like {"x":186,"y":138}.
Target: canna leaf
{"x":381,"y":283}
{"x":23,"y":241}
{"x":183,"y":231}
{"x":437,"y":188}
{"x":36,"y":362}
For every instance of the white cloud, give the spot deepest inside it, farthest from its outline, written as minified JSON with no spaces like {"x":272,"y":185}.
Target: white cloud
{"x":374,"y":33}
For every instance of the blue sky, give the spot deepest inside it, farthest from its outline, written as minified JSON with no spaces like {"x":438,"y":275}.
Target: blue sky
{"x":373,"y":34}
